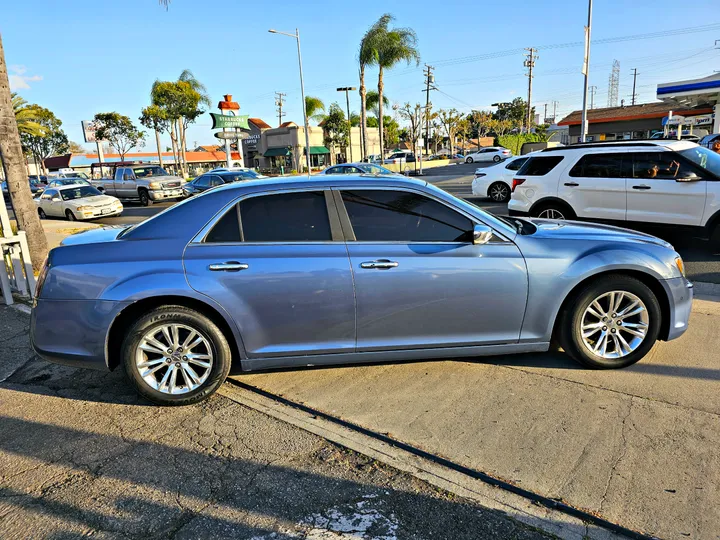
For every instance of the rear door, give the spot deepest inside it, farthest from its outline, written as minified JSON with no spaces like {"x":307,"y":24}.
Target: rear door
{"x":665,"y":188}
{"x":278,"y":264}
{"x":595,"y":186}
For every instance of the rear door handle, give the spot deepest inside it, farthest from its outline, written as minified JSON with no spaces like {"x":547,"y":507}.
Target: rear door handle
{"x":381,"y":264}
{"x":229,"y":266}
{"x":572,"y":184}
{"x":642,"y":187}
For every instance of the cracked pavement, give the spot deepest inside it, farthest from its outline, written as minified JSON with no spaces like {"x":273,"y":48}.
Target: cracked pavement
{"x":82,"y":455}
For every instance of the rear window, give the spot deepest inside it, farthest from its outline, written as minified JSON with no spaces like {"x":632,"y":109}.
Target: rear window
{"x":539,"y":166}
{"x":599,"y":166}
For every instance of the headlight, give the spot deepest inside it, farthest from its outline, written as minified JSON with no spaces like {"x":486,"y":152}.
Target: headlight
{"x":84,"y":208}
{"x":680,"y":265}
{"x":155,"y":185}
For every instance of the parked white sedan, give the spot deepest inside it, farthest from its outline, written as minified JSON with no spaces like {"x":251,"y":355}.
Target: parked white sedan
{"x":495,"y":182}
{"x":491,"y":153}
{"x":77,"y":202}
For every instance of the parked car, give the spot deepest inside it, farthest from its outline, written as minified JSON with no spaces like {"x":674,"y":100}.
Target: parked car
{"x":214,"y":179}
{"x":250,"y":173}
{"x":144,"y":183}
{"x":491,"y":153}
{"x":344,"y":269}
{"x":358,"y":168}
{"x":710,"y":141}
{"x":663,"y":182}
{"x":400,"y":157}
{"x":35,"y":187}
{"x":68,"y":173}
{"x":38,"y":179}
{"x":372,"y":158}
{"x":77,"y":202}
{"x":496,"y":182}
{"x":58,"y":182}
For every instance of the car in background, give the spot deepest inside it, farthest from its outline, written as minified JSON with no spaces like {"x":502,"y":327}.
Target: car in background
{"x":35,"y":187}
{"x":77,"y":202}
{"x":710,"y":141}
{"x":491,"y":153}
{"x":637,"y":184}
{"x":400,"y":157}
{"x":68,"y":173}
{"x":220,"y":177}
{"x":496,"y":182}
{"x":252,"y":174}
{"x":38,"y":179}
{"x":358,"y":168}
{"x":68,"y":181}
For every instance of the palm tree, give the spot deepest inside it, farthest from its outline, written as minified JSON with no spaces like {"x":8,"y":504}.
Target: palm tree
{"x":26,"y":116}
{"x":314,"y":108}
{"x":393,"y":46}
{"x":188,"y":77}
{"x":368,"y":56}
{"x":13,"y":162}
{"x":372,"y":100}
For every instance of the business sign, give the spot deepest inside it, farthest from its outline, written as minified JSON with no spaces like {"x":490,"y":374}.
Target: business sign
{"x":89,"y":128}
{"x":232,"y":135}
{"x":222,"y":121}
{"x":252,"y":140}
{"x":704,"y":120}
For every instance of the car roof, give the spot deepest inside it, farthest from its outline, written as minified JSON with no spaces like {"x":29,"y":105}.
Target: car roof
{"x":68,"y":186}
{"x":325,"y":181}
{"x":666,"y":144}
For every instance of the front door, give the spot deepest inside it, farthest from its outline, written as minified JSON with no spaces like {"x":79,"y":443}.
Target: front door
{"x":665,"y":188}
{"x":282,"y":272}
{"x":420,"y":282}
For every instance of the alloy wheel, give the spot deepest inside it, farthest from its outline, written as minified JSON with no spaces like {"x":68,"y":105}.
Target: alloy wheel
{"x":551,"y":213}
{"x":499,"y":192}
{"x":174,"y":358}
{"x":614,"y":324}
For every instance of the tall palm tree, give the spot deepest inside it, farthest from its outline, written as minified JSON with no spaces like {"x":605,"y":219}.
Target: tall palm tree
{"x":394,"y":46}
{"x":13,"y":162}
{"x":368,"y":56}
{"x":26,"y":117}
{"x":314,"y":108}
{"x":372,"y":101}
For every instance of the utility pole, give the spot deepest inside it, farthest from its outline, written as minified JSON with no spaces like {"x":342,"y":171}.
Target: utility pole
{"x":348,"y":89}
{"x":592,"y":96}
{"x":429,"y":85}
{"x":530,"y":64}
{"x":555,"y":104}
{"x":279,"y":104}
{"x":586,"y":72}
{"x":635,"y":74}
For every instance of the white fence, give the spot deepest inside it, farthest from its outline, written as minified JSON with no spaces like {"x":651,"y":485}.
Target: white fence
{"x":16,"y":273}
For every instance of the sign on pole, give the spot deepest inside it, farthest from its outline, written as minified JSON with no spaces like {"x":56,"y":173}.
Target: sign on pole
{"x":89,"y":127}
{"x":222,"y":121}
{"x":232,"y":135}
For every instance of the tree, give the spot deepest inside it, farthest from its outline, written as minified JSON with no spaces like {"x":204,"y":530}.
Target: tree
{"x":13,"y":162}
{"x":76,"y":148}
{"x":514,"y":111}
{"x":25,"y":116}
{"x":155,"y":118}
{"x":394,"y":46}
{"x":193,"y":112}
{"x":368,"y":56}
{"x":480,"y":122}
{"x":119,"y":131}
{"x":450,"y":120}
{"x":500,"y":127}
{"x":335,"y":129}
{"x":391,"y":131}
{"x":53,"y":140}
{"x":354,"y":119}
{"x":372,"y":100}
{"x":314,"y":109}
{"x":416,"y":118}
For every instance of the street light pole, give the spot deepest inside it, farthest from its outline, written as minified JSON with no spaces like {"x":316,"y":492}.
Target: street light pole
{"x":347,"y":90}
{"x":296,"y":35}
{"x":586,"y":72}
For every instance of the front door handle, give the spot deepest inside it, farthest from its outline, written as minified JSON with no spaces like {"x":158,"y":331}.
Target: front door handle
{"x":381,"y":264}
{"x":230,"y":266}
{"x":643,"y":186}
{"x":572,"y":184}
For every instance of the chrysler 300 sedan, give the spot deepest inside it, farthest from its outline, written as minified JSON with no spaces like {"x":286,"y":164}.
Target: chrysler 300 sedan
{"x":345,"y":269}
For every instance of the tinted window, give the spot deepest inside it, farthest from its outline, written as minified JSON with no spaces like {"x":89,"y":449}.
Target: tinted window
{"x":227,"y":229}
{"x":599,"y":166}
{"x":144,"y":172}
{"x":516,"y":164}
{"x":216,"y":181}
{"x":385,"y":216}
{"x":539,"y":166}
{"x":70,"y":194}
{"x":660,"y":166}
{"x":287,"y":217}
{"x":203,"y":181}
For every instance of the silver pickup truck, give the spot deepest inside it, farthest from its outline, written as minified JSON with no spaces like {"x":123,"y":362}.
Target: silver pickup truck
{"x":144,"y":183}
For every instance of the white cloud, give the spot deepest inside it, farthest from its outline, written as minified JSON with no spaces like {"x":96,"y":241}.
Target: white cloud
{"x":18,"y":79}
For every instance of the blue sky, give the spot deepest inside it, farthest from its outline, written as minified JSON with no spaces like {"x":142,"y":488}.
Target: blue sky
{"x":82,"y":57}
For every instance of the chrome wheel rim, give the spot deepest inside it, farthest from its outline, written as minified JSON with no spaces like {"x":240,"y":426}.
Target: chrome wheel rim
{"x":551,"y":213}
{"x":174,"y":358}
{"x":498,"y":192}
{"x":614,"y":324}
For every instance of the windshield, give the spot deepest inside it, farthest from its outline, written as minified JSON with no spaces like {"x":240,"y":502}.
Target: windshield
{"x":79,"y":193}
{"x":705,"y":158}
{"x":375,"y":169}
{"x":145,"y":172}
{"x":71,"y":181}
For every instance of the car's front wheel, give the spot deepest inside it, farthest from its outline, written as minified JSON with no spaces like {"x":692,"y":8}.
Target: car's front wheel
{"x":553,"y":211}
{"x":611,"y":323}
{"x":499,"y":192}
{"x":145,"y":199}
{"x":174,"y":355}
{"x":469,"y":160}
{"x":70,"y":216}
{"x":42,"y":213}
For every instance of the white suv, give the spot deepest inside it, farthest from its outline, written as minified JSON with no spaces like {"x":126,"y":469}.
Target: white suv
{"x":659,"y":182}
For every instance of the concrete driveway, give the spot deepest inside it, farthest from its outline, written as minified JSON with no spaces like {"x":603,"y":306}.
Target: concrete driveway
{"x":639,"y":446}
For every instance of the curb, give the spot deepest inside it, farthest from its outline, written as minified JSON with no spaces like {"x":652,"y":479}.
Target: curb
{"x":703,"y":288}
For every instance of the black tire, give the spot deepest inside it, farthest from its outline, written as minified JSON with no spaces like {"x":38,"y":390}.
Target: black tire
{"x":499,"y":192}
{"x":70,"y":216}
{"x":42,"y":213}
{"x":469,"y":160}
{"x":569,"y":332}
{"x":715,"y":237}
{"x":218,"y":371}
{"x":546,"y":211}
{"x":497,"y":159}
{"x":145,"y":199}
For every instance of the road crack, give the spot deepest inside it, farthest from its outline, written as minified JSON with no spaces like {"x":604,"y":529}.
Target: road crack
{"x":621,"y":454}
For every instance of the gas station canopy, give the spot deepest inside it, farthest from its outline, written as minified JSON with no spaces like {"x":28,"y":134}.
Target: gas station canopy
{"x":693,"y":93}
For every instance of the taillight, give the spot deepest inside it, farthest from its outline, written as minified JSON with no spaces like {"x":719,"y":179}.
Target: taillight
{"x":516,"y":183}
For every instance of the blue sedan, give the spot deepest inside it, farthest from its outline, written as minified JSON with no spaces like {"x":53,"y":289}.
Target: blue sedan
{"x":339,"y":270}
{"x":359,"y":168}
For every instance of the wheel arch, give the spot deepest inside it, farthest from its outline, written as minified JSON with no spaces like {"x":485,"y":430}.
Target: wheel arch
{"x":123,"y":319}
{"x":551,"y":200}
{"x":712,"y":224}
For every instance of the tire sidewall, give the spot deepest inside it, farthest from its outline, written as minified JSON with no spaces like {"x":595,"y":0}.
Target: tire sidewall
{"x":501,"y":184}
{"x":469,"y":160}
{"x":175,"y":314}
{"x":571,"y":338}
{"x":497,"y":159}
{"x":145,"y":198}
{"x":70,"y":216}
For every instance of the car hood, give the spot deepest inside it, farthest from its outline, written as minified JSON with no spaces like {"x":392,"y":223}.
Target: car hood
{"x":94,"y":236}
{"x":575,"y":230}
{"x":95,"y":200}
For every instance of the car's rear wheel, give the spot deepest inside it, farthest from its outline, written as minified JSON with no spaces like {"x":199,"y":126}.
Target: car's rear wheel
{"x":70,"y":216}
{"x":174,"y":355}
{"x":469,"y":160}
{"x":42,"y":213}
{"x":499,"y":192}
{"x":611,"y":323}
{"x":553,"y":211}
{"x":497,"y":159}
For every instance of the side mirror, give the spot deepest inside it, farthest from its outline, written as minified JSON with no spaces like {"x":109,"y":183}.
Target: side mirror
{"x":482,"y":234}
{"x":688,"y":179}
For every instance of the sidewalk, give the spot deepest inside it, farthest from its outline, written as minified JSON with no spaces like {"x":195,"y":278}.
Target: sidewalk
{"x":80,"y":455}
